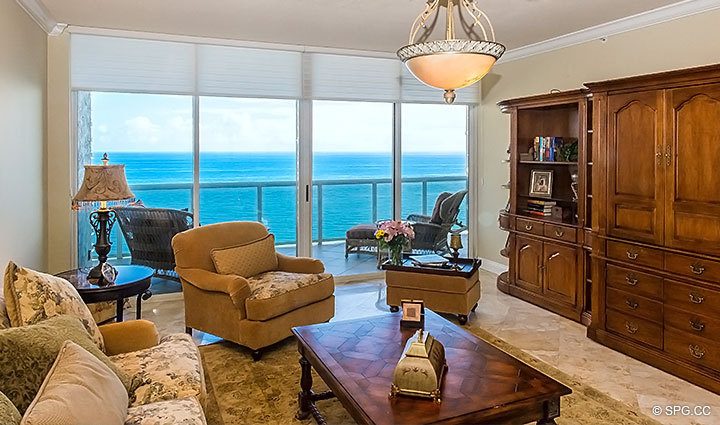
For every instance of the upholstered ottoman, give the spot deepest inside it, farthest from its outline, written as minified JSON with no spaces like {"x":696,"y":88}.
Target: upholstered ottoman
{"x":442,"y":290}
{"x":361,"y":238}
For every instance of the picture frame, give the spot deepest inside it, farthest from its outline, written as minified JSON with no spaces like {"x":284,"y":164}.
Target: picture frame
{"x":541,"y":183}
{"x":413,"y":313}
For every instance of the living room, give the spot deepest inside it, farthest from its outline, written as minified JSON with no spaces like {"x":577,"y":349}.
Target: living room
{"x":231,"y":212}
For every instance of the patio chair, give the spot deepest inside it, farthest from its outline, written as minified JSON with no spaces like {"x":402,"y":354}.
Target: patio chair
{"x":431,"y":231}
{"x":149,"y":232}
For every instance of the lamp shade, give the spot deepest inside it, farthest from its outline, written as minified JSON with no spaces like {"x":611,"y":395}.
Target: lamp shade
{"x":103,"y":183}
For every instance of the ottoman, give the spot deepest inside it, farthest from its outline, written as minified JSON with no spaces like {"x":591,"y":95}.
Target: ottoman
{"x":361,"y":238}
{"x":442,"y":290}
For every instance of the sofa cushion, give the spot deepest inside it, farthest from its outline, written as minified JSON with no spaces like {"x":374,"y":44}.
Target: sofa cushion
{"x":248,"y":259}
{"x":80,"y":390}
{"x":276,"y":293}
{"x":32,"y":297}
{"x":4,"y":318}
{"x":9,"y":414}
{"x":28,"y":352}
{"x":170,"y":370}
{"x":186,"y":411}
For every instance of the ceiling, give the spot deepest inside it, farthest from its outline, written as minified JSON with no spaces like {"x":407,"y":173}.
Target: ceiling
{"x":376,"y":25}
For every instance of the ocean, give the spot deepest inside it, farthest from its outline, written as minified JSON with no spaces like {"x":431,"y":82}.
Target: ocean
{"x":343,"y":205}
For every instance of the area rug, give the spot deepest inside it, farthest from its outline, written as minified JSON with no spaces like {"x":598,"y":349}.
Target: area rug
{"x":243,"y":392}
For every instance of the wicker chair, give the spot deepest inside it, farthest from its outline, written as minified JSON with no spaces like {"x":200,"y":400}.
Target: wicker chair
{"x":149,"y":232}
{"x":431,"y":231}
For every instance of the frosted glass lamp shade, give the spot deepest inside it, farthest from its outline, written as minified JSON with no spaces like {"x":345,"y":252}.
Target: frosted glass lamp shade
{"x":450,"y":71}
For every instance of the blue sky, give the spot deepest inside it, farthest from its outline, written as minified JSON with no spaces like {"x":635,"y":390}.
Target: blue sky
{"x":163,"y":123}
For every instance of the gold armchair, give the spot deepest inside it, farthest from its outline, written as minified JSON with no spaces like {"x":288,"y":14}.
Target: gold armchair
{"x":254,"y":311}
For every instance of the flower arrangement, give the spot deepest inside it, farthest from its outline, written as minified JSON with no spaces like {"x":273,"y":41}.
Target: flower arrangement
{"x":393,"y":235}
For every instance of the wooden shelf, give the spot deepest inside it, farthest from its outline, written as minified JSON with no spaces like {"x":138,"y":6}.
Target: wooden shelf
{"x":549,"y":162}
{"x":543,"y":198}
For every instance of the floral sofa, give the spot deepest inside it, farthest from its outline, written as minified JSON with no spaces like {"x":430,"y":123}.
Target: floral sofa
{"x":166,"y":373}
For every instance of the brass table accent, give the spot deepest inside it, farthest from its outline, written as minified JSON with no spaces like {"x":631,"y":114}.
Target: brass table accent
{"x":421,"y":368}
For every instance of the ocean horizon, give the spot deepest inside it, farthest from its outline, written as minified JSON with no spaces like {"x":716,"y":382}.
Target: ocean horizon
{"x":343,"y":205}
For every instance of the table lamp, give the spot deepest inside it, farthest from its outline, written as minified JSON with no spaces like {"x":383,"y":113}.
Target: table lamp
{"x":102,"y":184}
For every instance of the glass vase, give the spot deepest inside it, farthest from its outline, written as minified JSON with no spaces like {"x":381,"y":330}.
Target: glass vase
{"x":395,"y":252}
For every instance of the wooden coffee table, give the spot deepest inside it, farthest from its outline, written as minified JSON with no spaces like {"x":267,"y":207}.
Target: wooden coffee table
{"x":483,"y":385}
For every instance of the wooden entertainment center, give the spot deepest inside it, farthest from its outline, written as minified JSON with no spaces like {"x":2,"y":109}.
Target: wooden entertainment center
{"x":643,"y":248}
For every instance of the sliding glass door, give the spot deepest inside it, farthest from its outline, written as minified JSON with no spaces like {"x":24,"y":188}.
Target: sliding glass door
{"x":352,"y":178}
{"x":248,"y":164}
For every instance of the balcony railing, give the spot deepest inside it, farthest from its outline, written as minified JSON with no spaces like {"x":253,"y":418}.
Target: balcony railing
{"x":318,"y":186}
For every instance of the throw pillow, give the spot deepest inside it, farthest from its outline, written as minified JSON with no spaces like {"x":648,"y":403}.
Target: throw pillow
{"x":78,"y":390}
{"x":33,"y":297}
{"x":9,"y":414}
{"x":28,"y":352}
{"x":248,"y":259}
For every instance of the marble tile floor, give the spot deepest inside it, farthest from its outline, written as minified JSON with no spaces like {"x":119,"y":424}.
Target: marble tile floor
{"x":332,"y":254}
{"x":551,"y":338}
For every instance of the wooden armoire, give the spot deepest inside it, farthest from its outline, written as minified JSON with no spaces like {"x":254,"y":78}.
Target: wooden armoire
{"x":656,"y":228}
{"x":646,"y":235}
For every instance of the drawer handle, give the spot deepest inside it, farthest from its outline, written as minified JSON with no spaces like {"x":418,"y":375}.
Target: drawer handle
{"x":632,"y":255}
{"x":697,"y":268}
{"x":632,"y":304}
{"x":696,"y":298}
{"x":559,"y":233}
{"x":697,"y":325}
{"x":631,"y":328}
{"x":631,"y":280}
{"x":528,"y":227}
{"x":696,"y":351}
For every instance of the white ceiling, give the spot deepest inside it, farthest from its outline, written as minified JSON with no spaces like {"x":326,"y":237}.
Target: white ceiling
{"x":377,"y":25}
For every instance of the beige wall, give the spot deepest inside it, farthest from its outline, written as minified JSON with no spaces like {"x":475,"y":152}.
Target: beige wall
{"x":22,"y":137}
{"x":687,"y":42}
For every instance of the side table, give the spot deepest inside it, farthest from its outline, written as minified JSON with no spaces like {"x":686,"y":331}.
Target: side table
{"x":131,"y":281}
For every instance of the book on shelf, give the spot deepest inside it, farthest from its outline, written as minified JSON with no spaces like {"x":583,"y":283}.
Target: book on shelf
{"x":541,"y":203}
{"x":538,"y":213}
{"x":547,"y":148}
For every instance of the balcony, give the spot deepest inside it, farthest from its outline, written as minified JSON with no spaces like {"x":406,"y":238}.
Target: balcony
{"x":330,"y":219}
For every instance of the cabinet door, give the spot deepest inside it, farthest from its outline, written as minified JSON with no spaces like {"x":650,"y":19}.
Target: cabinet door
{"x":560,"y":277}
{"x":528,"y":264}
{"x":635,"y":166}
{"x":692,"y":186}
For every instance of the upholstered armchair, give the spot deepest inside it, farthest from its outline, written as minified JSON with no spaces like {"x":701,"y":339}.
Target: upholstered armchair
{"x":252,"y":309}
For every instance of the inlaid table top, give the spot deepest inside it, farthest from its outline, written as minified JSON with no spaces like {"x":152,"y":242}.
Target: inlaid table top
{"x":356,"y":359}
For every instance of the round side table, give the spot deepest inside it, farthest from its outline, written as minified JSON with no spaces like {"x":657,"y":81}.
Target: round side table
{"x":131,"y":281}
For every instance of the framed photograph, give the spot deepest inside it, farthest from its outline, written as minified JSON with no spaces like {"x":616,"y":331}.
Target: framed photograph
{"x":413,"y":313}
{"x":541,"y":183}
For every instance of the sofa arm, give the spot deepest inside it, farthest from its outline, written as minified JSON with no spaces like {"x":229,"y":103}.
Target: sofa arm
{"x":299,"y":264}
{"x":125,"y":337}
{"x":235,"y":286}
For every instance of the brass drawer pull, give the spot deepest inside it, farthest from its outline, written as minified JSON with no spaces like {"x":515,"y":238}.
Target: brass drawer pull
{"x":697,"y":268}
{"x":631,"y":280}
{"x":632,"y":304}
{"x":528,"y":227}
{"x":632,"y":255}
{"x":696,"y":351}
{"x":559,"y":233}
{"x":697,"y":325}
{"x":696,"y":298}
{"x":631,"y":328}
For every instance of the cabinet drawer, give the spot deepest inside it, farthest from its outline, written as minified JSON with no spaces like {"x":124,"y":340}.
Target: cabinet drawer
{"x":635,"y":305}
{"x":693,"y":267}
{"x":634,"y":328}
{"x":529,"y":226}
{"x":561,"y":233}
{"x":635,"y":282}
{"x":694,"y":324}
{"x":691,"y":348}
{"x":635,"y":254}
{"x":691,"y":298}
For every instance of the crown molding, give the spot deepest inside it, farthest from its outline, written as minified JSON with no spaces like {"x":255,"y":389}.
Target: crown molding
{"x":41,"y":16}
{"x":599,"y":32}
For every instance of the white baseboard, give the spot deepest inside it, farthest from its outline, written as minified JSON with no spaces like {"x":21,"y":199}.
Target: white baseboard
{"x":493,"y":267}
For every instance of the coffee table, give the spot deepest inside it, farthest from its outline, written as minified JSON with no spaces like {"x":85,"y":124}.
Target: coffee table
{"x":483,"y":385}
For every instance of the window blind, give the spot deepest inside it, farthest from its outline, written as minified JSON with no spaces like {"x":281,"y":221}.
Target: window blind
{"x":247,"y":72}
{"x":340,"y":77}
{"x":124,"y":64}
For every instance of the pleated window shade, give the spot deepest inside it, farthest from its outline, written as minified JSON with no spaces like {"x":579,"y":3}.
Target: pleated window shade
{"x":104,"y":63}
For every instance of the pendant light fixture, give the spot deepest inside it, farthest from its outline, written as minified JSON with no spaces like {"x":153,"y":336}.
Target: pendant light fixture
{"x":452,"y":63}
